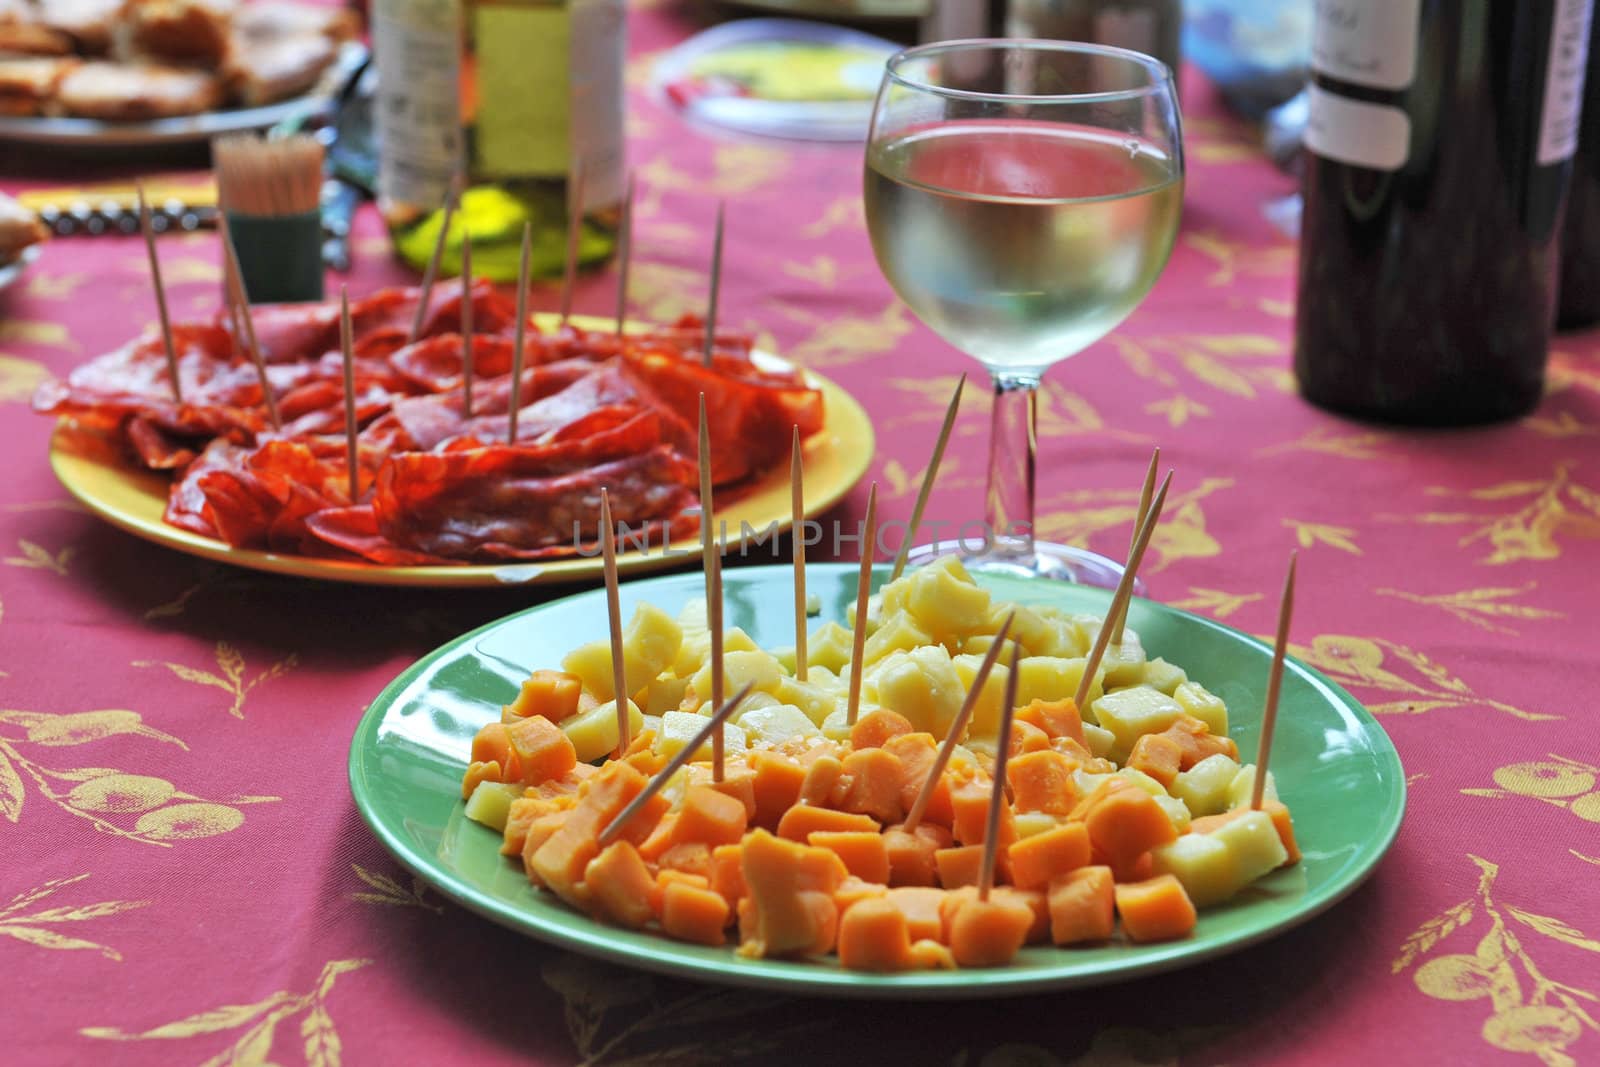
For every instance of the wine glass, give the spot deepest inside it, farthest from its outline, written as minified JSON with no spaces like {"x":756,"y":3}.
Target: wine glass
{"x":1022,"y":198}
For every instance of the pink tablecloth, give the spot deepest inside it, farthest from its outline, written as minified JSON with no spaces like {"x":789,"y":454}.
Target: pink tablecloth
{"x":1448,"y":579}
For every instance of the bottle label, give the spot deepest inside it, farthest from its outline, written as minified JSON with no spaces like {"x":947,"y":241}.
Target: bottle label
{"x":1356,"y":132}
{"x":523,"y":78}
{"x":1563,"y":83}
{"x":418,"y":45}
{"x":1367,"y":42}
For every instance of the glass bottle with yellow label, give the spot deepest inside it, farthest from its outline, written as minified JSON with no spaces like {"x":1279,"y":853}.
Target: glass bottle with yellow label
{"x":516,"y":96}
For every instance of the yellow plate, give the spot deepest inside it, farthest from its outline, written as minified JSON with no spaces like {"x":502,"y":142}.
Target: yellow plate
{"x":134,"y":499}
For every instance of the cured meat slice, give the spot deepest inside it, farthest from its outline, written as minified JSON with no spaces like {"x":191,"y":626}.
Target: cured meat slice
{"x":262,"y":497}
{"x":751,"y":411}
{"x":186,"y":501}
{"x":355,"y":530}
{"x":504,"y":502}
{"x":553,"y":395}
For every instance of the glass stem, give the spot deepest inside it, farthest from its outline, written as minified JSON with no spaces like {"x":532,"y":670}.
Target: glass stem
{"x":1012,"y":448}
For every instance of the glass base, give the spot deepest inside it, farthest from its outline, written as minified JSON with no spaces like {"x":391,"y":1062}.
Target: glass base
{"x":1061,"y":563}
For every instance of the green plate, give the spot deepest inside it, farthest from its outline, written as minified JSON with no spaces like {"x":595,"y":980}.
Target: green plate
{"x":1336,"y":768}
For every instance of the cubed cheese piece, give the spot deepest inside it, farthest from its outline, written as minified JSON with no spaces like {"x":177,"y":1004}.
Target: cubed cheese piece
{"x":652,"y":637}
{"x":1143,"y":781}
{"x":1131,"y":713}
{"x":1034,"y":822}
{"x":1087,"y":781}
{"x":665,"y":693}
{"x":1159,"y":674}
{"x":1176,"y":810}
{"x":696,"y":648}
{"x":895,"y":633}
{"x":740,"y":668}
{"x":1098,"y":739}
{"x":1066,"y":638}
{"x":979,"y":645}
{"x":679,"y":727}
{"x":650,"y":644}
{"x":1205,"y":865}
{"x":1124,"y":664}
{"x":1204,"y":705}
{"x":592,"y":663}
{"x":985,"y":721}
{"x":1203,"y":788}
{"x":775,"y":725}
{"x":756,"y":699}
{"x":593,"y":733}
{"x":829,"y":646}
{"x":1028,"y":628}
{"x":1244,"y":782}
{"x":491,"y":802}
{"x":836,"y":727}
{"x":818,"y":696}
{"x":946,"y":601}
{"x":924,"y":686}
{"x":1254,"y":843}
{"x":784,"y":654}
{"x":1050,"y":678}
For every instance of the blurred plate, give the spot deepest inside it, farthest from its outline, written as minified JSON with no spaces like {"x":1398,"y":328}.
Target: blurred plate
{"x":181,"y":129}
{"x":778,"y":78}
{"x":1336,"y":769}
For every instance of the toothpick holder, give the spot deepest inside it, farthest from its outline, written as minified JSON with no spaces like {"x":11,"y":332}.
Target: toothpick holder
{"x":280,"y":256}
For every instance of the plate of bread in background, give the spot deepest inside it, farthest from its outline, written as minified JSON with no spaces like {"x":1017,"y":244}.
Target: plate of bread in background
{"x":128,"y":72}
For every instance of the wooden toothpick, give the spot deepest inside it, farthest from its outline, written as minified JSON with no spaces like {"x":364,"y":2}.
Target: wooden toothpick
{"x":1119,"y":602}
{"x":624,"y":255}
{"x":241,"y":300}
{"x":469,"y":356}
{"x":514,"y":400}
{"x":797,"y":510}
{"x":165,"y":319}
{"x":619,"y":678}
{"x":431,"y":273}
{"x":958,"y":727}
{"x":664,"y":775}
{"x":928,"y":477}
{"x":863,"y":591}
{"x":1145,"y":493}
{"x":347,"y":348}
{"x":1269,"y":716}
{"x":997,"y":795}
{"x":569,"y":270}
{"x":712,"y":564}
{"x":716,"y":287}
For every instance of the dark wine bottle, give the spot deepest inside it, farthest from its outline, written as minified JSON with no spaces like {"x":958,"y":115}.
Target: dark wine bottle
{"x":1440,"y":146}
{"x":1579,"y":304}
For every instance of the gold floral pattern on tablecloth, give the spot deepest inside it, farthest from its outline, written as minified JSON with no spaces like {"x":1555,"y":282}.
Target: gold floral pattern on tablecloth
{"x":136,"y":807}
{"x":44,"y":926}
{"x":320,"y":1042}
{"x":1556,"y":780}
{"x":1528,"y":1011}
{"x":230,"y":676}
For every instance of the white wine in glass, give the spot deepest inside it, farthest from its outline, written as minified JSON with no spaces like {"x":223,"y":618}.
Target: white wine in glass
{"x":1022,"y":198}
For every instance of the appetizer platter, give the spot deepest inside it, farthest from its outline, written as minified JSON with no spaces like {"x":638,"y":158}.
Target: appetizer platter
{"x":878,"y":809}
{"x":131,"y":72}
{"x":113,"y":453}
{"x":440,"y":435}
{"x":1334,"y":768}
